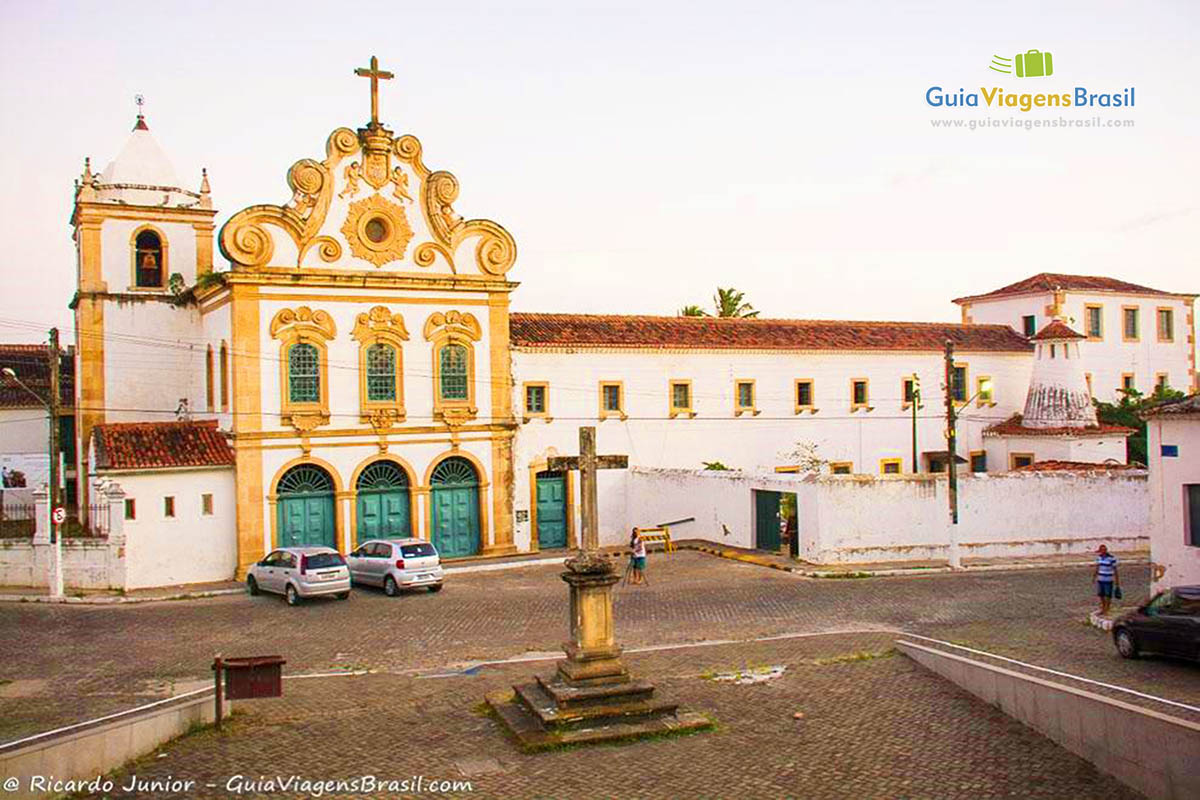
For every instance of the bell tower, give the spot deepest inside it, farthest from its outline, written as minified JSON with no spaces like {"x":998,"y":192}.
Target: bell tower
{"x":141,"y":240}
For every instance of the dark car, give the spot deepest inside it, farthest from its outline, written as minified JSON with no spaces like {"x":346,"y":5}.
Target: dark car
{"x":1168,"y":625}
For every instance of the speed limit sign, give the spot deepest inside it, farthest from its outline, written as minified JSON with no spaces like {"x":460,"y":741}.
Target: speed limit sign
{"x":59,"y":516}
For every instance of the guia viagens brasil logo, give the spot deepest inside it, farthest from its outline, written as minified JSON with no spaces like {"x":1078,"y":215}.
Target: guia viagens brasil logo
{"x":1029,"y":64}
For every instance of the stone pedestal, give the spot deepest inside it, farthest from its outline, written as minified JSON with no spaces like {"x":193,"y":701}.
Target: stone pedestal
{"x":591,"y":697}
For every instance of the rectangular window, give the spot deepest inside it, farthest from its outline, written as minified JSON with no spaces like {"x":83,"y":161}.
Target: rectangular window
{"x":208,"y":377}
{"x":958,"y":382}
{"x":535,"y":399}
{"x":744,"y":397}
{"x":612,"y":400}
{"x":1094,"y":321}
{"x":1166,"y":325}
{"x":859,"y":395}
{"x":984,"y":391}
{"x":381,"y":373}
{"x":804,"y":395}
{"x":224,"y":377}
{"x":1127,"y":380}
{"x":452,"y":363}
{"x":1029,"y":324}
{"x":1161,"y":382}
{"x":304,"y":375}
{"x":889,"y":466}
{"x":1192,"y":496}
{"x":681,"y":397}
{"x":978,"y":461}
{"x":206,"y":505}
{"x":1129,"y":323}
{"x":842,"y":468}
{"x":168,"y":506}
{"x":1018,"y":460}
{"x":130,"y":508}
{"x":908,"y":390}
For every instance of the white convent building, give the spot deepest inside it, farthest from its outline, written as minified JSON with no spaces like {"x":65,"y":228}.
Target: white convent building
{"x":356,"y":371}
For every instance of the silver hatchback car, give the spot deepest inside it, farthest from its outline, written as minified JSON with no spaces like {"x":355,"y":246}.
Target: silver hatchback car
{"x":301,"y":572}
{"x":396,"y":564}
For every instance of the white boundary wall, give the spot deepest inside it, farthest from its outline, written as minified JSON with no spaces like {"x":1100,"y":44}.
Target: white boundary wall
{"x":847,"y":519}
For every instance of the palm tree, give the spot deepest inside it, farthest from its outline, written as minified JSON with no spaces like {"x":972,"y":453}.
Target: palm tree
{"x":731,"y":303}
{"x":692,"y":311}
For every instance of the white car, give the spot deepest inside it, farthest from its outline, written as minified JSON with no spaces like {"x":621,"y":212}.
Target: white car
{"x":298,"y":573}
{"x":396,"y":564}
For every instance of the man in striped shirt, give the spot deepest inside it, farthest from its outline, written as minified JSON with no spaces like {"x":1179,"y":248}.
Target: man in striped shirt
{"x":1106,"y":577}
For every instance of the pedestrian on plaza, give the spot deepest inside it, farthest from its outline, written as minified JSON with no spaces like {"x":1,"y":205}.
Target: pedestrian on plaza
{"x":1106,"y":577}
{"x":638,"y":546}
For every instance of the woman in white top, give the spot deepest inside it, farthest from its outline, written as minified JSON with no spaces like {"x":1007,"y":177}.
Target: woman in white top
{"x":639,"y":557}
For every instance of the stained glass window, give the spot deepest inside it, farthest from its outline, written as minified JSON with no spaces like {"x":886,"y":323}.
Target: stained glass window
{"x":304,"y":374}
{"x":381,"y":373}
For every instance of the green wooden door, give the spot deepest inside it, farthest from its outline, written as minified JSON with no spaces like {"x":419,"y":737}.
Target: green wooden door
{"x":766,"y":521}
{"x":384,"y":506}
{"x":306,"y":508}
{"x":455,"y":498}
{"x":551,"y":510}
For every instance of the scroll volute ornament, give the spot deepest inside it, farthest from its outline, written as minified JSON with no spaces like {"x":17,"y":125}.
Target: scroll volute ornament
{"x":379,"y":320}
{"x":303,"y":318}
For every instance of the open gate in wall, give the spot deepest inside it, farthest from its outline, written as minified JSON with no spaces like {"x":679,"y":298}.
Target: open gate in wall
{"x":305,"y":508}
{"x":384,"y":505}
{"x":454,"y":494}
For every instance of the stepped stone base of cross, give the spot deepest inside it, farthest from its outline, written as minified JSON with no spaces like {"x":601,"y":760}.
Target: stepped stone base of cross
{"x":591,"y":698}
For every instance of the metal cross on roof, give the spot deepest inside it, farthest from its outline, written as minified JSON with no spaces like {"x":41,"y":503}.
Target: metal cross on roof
{"x":376,"y":75}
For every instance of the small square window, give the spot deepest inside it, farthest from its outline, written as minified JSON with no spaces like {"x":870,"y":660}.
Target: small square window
{"x":206,"y":505}
{"x":1018,"y":460}
{"x":535,"y":398}
{"x":1166,"y":325}
{"x":890,"y":466}
{"x":1127,"y":381}
{"x":804,"y":395}
{"x":745,"y":395}
{"x":610,"y":398}
{"x":984,"y":390}
{"x":130,"y":508}
{"x":979,"y":461}
{"x":1094,"y":321}
{"x":1029,"y":324}
{"x":858,"y":393}
{"x":1129,"y":316}
{"x":681,"y":397}
{"x":841,"y":468}
{"x":168,"y":506}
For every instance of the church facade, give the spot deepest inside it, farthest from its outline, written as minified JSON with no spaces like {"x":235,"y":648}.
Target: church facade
{"x":360,"y":356}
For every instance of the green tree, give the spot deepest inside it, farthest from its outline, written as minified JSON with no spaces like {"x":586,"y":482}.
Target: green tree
{"x":1127,"y":411}
{"x":732,"y":303}
{"x":692,"y":311}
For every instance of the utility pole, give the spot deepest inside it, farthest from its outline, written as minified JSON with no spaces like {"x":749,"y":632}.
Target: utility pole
{"x":952,"y":455}
{"x":916,"y":401}
{"x":52,"y":404}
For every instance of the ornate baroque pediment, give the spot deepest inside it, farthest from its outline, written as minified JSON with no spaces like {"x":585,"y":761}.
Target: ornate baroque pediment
{"x":364,"y":204}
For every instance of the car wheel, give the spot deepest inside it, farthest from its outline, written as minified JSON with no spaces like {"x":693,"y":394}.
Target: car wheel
{"x":437,"y":587}
{"x":252,"y":585}
{"x":293,"y":597}
{"x":343,"y":596}
{"x":1126,"y":644}
{"x":390,"y":588}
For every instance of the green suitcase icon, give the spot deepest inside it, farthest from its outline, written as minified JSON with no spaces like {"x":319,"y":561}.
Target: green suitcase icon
{"x":1034,"y":64}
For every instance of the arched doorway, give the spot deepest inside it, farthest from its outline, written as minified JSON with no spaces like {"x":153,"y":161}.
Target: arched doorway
{"x":306,"y":508}
{"x":551,"y":497}
{"x":454,"y":490}
{"x":384,"y":504}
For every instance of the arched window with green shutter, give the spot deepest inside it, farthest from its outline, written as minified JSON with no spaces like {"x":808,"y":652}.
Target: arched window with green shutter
{"x":453,"y":372}
{"x":381,"y":373}
{"x":304,"y":374}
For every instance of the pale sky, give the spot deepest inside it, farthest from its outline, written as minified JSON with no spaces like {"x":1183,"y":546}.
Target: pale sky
{"x":643,"y":153}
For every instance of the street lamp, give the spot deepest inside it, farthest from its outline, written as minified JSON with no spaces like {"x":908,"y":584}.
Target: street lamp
{"x":985,"y":388}
{"x":51,"y":406}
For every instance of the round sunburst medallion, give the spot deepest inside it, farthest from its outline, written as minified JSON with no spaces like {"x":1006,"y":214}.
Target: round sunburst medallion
{"x":377,"y":230}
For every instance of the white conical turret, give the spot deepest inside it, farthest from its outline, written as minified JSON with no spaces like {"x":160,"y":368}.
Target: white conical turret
{"x":142,"y":174}
{"x":1058,"y":392}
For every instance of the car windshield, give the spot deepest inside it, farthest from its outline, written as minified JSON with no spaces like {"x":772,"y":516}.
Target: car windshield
{"x":319,"y":560}
{"x":417,"y":550}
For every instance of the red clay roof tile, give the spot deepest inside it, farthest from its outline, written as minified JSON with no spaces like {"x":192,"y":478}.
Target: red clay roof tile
{"x":1057,"y":329}
{"x":1055,"y":281}
{"x":594,"y":330}
{"x":1014,"y":427}
{"x":1073,"y":466}
{"x":160,"y":445}
{"x":30,"y":364}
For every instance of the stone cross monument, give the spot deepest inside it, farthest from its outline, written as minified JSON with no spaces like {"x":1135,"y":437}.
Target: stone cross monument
{"x":591,"y":698}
